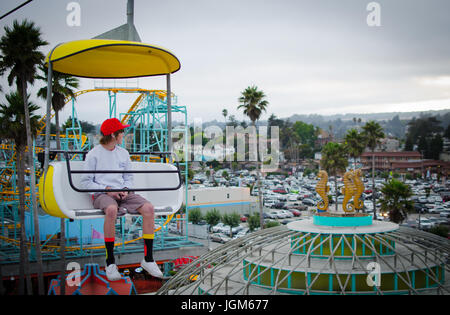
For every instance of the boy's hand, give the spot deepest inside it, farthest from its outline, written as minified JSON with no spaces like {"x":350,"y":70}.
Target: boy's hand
{"x":123,"y":194}
{"x":115,"y":195}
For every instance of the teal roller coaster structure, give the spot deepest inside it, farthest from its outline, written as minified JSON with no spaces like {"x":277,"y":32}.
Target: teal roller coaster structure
{"x":148,"y":117}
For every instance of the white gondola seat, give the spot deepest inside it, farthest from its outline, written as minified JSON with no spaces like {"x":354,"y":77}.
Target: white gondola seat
{"x":59,"y":199}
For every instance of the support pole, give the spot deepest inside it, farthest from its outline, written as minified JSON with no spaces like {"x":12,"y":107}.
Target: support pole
{"x":130,"y":18}
{"x":48,"y":115}
{"x":169,"y":114}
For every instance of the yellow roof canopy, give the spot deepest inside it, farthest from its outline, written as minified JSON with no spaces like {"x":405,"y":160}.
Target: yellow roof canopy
{"x":104,"y":58}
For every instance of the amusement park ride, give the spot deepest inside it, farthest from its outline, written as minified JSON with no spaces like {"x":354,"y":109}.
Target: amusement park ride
{"x":341,"y":252}
{"x":158,"y":172}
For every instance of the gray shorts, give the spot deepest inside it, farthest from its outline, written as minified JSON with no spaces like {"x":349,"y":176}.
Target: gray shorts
{"x":130,"y":204}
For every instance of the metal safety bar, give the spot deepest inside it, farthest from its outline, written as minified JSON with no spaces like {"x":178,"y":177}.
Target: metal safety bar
{"x":161,"y":154}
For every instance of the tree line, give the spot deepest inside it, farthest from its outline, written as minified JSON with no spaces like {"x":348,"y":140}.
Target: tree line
{"x":299,"y":140}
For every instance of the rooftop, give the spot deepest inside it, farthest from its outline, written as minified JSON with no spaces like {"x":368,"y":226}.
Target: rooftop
{"x":393,"y":154}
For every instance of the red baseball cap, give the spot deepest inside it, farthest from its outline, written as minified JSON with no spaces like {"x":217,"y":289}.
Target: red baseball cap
{"x":112,"y":125}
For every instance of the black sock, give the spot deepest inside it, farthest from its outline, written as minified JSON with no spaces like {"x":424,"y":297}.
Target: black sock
{"x":148,"y":249}
{"x":109,"y":246}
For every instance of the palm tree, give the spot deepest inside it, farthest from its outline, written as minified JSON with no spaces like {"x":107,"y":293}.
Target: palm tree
{"x":373,"y":133}
{"x":396,"y":200}
{"x":355,"y":143}
{"x":225,"y":114}
{"x":334,"y":161}
{"x":20,"y":54}
{"x":253,"y":103}
{"x":12,"y":118}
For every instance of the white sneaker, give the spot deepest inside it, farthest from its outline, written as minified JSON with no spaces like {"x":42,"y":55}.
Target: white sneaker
{"x":152,"y":268}
{"x":112,"y":273}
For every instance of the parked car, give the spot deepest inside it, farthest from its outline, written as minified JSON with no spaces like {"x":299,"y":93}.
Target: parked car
{"x":425,"y":223}
{"x":295,"y":212}
{"x":270,"y":215}
{"x":288,"y":214}
{"x":241,"y":233}
{"x":226,"y":229}
{"x":278,"y":205}
{"x":368,"y":204}
{"x":410,"y":223}
{"x":269,"y":203}
{"x":445,"y":214}
{"x":236,"y":229}
{"x":437,"y":221}
{"x":308,"y":202}
{"x":277,"y":215}
{"x":438,"y":209}
{"x":218,"y":228}
{"x":280,"y":191}
{"x":300,"y":207}
{"x":244,"y":218}
{"x":220,"y":237}
{"x":435,"y":199}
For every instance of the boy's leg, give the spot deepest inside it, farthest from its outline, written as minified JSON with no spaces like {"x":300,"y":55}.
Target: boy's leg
{"x":109,"y":226}
{"x":148,"y":229}
{"x":135,"y":203}
{"x":110,"y":208}
{"x":148,"y":221}
{"x":109,"y":231}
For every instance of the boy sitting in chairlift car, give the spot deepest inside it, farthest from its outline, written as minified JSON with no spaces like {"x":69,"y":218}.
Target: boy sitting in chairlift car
{"x":108,"y":155}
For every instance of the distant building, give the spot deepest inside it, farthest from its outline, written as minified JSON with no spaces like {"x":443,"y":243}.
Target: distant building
{"x":224,"y":199}
{"x":384,"y":160}
{"x":445,"y":155}
{"x":424,"y":168}
{"x":408,"y":162}
{"x":323,"y":137}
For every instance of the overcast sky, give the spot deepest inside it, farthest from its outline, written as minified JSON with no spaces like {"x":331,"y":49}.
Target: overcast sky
{"x":309,"y":57}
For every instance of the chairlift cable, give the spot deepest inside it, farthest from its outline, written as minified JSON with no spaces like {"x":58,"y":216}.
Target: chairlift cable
{"x":15,"y":9}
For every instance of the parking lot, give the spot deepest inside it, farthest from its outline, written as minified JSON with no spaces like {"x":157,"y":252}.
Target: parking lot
{"x":288,"y":198}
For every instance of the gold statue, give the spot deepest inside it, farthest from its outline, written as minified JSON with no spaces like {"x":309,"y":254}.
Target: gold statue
{"x":348,"y":190}
{"x":359,"y":189}
{"x":322,"y":189}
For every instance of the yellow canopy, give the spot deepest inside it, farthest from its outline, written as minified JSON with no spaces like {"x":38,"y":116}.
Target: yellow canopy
{"x":104,"y":58}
